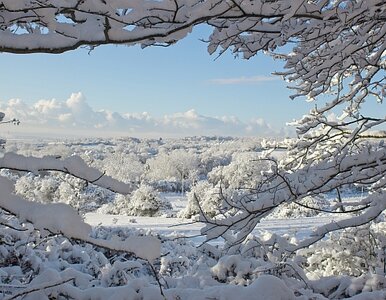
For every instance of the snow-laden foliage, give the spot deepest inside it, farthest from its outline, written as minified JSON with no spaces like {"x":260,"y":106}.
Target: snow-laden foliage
{"x":178,"y":165}
{"x":353,"y":252}
{"x":244,"y":172}
{"x":123,"y":166}
{"x":144,"y":201}
{"x":203,"y":198}
{"x":66,"y":189}
{"x":47,"y":259}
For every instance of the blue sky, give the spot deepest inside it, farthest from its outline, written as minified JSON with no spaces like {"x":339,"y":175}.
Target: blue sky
{"x":160,"y":81}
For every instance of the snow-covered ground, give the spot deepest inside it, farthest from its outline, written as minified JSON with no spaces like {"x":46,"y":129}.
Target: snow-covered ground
{"x":188,"y":228}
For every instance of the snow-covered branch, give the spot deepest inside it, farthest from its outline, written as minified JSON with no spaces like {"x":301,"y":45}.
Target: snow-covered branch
{"x":73,"y":165}
{"x":317,"y":175}
{"x":378,"y":205}
{"x":60,"y":218}
{"x":335,"y":47}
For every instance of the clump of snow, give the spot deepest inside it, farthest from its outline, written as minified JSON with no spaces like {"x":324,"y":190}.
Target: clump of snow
{"x":56,"y":217}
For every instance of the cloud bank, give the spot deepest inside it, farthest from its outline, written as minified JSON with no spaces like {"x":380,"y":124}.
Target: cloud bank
{"x":75,"y":117}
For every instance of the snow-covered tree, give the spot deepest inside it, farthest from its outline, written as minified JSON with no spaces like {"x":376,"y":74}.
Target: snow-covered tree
{"x":146,"y":201}
{"x":122,"y":166}
{"x":244,"y":172}
{"x":203,"y":198}
{"x":178,"y":165}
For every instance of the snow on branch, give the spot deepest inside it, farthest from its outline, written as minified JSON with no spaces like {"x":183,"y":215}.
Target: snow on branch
{"x":73,"y":165}
{"x":336,"y":47}
{"x":377,"y":206}
{"x":317,"y":176}
{"x":60,"y":218}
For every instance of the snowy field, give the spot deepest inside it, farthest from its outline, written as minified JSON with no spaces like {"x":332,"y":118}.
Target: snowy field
{"x":300,"y":227}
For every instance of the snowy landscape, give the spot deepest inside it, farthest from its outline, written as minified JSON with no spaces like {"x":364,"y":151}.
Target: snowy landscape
{"x":151,"y":243}
{"x":189,"y":178}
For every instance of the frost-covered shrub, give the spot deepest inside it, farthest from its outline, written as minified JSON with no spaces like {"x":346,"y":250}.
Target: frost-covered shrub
{"x":245,"y":171}
{"x":177,"y":165}
{"x":119,"y":206}
{"x":66,"y":189}
{"x":122,"y":166}
{"x":28,"y":258}
{"x":352,"y":252}
{"x":203,"y":197}
{"x":234,"y":269}
{"x":145,"y":201}
{"x":293,"y":210}
{"x":36,"y":188}
{"x":179,"y":257}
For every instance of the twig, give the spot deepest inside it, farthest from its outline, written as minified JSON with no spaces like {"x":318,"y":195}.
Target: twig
{"x":38,"y":288}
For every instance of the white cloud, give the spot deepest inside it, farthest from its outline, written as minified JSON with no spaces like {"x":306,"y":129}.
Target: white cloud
{"x":75,"y":116}
{"x":242,"y":80}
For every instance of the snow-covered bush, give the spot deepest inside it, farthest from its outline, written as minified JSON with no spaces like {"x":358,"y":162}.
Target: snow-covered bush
{"x":179,"y":257}
{"x":244,"y":172}
{"x":145,"y":201}
{"x":119,"y":206}
{"x":352,"y":252}
{"x":62,"y":188}
{"x":202,"y":198}
{"x":123,"y":166}
{"x":177,"y":165}
{"x":30,"y":258}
